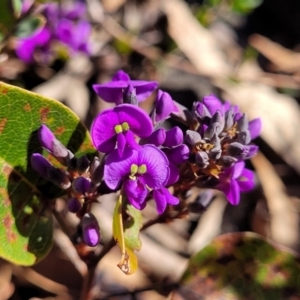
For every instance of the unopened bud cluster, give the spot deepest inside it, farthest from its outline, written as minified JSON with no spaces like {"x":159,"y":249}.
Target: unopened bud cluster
{"x":80,"y":178}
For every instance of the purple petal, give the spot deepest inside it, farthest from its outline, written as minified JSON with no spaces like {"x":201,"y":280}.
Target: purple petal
{"x":174,"y":174}
{"x":246,"y":180}
{"x":80,"y":39}
{"x":131,"y":140}
{"x":64,"y":31}
{"x":237,"y":169}
{"x":121,"y":76}
{"x":111,"y":91}
{"x":174,"y":137}
{"x":117,"y":168}
{"x":46,"y":138}
{"x":103,"y":130}
{"x":232,"y":192}
{"x":255,"y":128}
{"x":156,"y":138}
{"x":121,"y":140}
{"x":178,"y":155}
{"x":136,"y":193}
{"x":157,"y":166}
{"x":212,"y":103}
{"x":160,"y":200}
{"x":163,"y":106}
{"x":144,"y":88}
{"x":138,"y":120}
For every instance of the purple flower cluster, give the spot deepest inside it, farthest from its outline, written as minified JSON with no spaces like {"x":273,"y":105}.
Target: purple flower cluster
{"x":219,"y":143}
{"x":143,"y":159}
{"x":65,"y":24}
{"x":139,"y":160}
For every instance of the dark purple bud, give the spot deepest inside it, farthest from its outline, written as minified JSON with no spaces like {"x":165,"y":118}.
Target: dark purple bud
{"x":192,"y":137}
{"x":58,"y":177}
{"x":74,"y":205}
{"x":179,"y":154}
{"x":201,"y":202}
{"x":156,"y":138}
{"x":242,"y":123}
{"x":40,"y":164}
{"x":229,"y":119}
{"x":83,"y":164}
{"x":81,"y":185}
{"x":46,"y":138}
{"x":90,"y":230}
{"x":202,"y":159}
{"x":174,"y":137}
{"x":215,"y":152}
{"x":227,"y":161}
{"x":241,"y":151}
{"x":244,"y":137}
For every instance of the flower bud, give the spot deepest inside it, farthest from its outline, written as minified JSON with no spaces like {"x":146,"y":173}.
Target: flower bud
{"x":81,"y":185}
{"x":179,"y":154}
{"x":129,"y":95}
{"x":174,"y":137}
{"x":241,"y":151}
{"x":82,"y":164}
{"x":156,"y":138}
{"x":163,"y":106}
{"x":242,"y":123}
{"x":202,"y":159}
{"x":192,"y":137}
{"x":74,"y":205}
{"x":40,"y":164}
{"x":90,"y":230}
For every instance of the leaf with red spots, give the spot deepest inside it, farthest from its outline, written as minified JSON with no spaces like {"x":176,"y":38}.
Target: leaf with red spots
{"x":240,"y":266}
{"x":25,"y":213}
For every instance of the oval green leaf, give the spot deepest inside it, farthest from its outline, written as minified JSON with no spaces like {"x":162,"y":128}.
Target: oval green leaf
{"x":240,"y":266}
{"x":26,"y":221}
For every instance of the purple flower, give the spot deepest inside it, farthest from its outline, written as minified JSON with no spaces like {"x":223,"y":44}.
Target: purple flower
{"x":140,"y":171}
{"x":255,"y":128}
{"x":163,"y":107}
{"x":119,"y":125}
{"x":39,"y":40}
{"x":113,"y":91}
{"x":235,"y":180}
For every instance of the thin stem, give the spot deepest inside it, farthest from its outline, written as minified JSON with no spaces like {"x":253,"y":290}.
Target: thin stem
{"x":61,"y":222}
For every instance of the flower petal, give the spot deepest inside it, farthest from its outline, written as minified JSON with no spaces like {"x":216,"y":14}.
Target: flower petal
{"x":179,"y":154}
{"x":157,"y":165}
{"x":136,"y":193}
{"x":103,"y":130}
{"x":237,"y":169}
{"x":246,"y":180}
{"x":121,"y":140}
{"x":111,"y":91}
{"x":138,"y":120}
{"x":117,"y":168}
{"x":143,"y":88}
{"x":174,"y":174}
{"x":121,"y":76}
{"x":232,"y":192}
{"x":160,"y":200}
{"x":255,"y":128}
{"x":163,"y":106}
{"x":212,"y":103}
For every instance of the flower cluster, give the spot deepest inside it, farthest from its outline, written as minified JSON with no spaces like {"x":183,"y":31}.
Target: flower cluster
{"x":142,"y":159}
{"x":65,"y":24}
{"x":219,"y":143}
{"x":81,"y":179}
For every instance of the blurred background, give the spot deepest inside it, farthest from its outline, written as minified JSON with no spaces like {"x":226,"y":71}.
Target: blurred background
{"x":244,"y":51}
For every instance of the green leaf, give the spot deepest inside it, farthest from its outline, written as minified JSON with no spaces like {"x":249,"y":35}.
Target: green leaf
{"x":26,"y":228}
{"x":241,"y":266}
{"x":29,"y":25}
{"x":7,"y":17}
{"x":245,"y":6}
{"x":126,"y":234}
